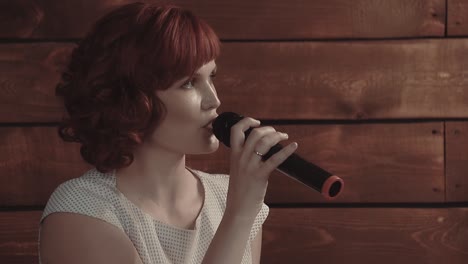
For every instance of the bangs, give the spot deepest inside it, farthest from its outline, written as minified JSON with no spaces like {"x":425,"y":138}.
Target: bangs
{"x":186,"y":43}
{"x":196,"y":45}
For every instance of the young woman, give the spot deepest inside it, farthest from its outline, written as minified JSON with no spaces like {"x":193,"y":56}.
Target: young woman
{"x":140,"y":96}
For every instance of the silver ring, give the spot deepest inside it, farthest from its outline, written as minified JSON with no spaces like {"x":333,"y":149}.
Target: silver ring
{"x":258,"y":153}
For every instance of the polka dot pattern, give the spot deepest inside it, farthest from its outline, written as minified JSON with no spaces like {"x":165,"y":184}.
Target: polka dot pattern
{"x":94,"y":194}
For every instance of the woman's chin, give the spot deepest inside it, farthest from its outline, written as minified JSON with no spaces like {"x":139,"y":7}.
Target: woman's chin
{"x":214,"y":143}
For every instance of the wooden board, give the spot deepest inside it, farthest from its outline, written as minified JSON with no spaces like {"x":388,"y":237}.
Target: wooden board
{"x":27,"y":83}
{"x":408,"y":79}
{"x":457,"y":21}
{"x":33,"y":161}
{"x":378,"y":162}
{"x":411,"y":79}
{"x":19,"y":234}
{"x":313,"y":235}
{"x":456,"y":147}
{"x":366,"y":235}
{"x":263,"y":19}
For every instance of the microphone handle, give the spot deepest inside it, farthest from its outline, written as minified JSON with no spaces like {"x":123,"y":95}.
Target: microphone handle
{"x":307,"y":173}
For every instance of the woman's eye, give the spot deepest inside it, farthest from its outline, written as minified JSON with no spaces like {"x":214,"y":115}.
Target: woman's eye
{"x":212,"y":77}
{"x":188,"y":84}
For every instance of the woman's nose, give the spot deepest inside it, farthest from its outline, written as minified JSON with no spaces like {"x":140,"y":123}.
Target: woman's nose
{"x":210,"y":98}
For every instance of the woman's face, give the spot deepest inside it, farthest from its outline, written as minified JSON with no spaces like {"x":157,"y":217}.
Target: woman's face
{"x":190,"y":104}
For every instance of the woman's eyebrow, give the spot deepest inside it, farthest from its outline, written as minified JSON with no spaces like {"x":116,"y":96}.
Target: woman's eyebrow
{"x":214,"y":70}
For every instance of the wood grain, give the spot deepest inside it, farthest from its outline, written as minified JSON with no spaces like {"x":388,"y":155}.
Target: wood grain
{"x":457,"y":21}
{"x":411,"y":79}
{"x":324,"y":235}
{"x":29,"y":73}
{"x":378,"y":162}
{"x":33,"y":160}
{"x":263,"y":19}
{"x":19,"y":236}
{"x":456,"y":146}
{"x":414,"y":79}
{"x":309,"y":90}
{"x":363,"y":235}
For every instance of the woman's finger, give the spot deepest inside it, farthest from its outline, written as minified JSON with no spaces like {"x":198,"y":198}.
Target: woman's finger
{"x":267,"y":142}
{"x":274,"y":161}
{"x":257,"y":134}
{"x":237,"y":133}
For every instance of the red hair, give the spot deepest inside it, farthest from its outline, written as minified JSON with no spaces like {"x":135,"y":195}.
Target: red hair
{"x":109,"y":85}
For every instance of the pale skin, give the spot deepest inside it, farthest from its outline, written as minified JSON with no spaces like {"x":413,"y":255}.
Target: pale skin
{"x":158,"y":175}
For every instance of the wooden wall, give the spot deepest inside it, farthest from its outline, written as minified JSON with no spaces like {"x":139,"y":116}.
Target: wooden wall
{"x":374,"y":91}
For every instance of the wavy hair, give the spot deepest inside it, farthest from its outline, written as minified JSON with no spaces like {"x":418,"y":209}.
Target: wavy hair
{"x":108,"y":87}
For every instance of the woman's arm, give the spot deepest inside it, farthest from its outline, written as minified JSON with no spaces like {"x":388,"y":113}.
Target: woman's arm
{"x":75,"y":239}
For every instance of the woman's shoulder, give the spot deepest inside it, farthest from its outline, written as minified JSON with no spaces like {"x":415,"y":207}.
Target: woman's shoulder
{"x":91,"y":183}
{"x":89,"y":194}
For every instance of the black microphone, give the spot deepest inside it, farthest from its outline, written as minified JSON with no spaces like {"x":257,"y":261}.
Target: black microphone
{"x":294,"y":166}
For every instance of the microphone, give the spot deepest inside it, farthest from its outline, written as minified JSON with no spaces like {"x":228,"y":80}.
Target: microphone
{"x":326,"y":183}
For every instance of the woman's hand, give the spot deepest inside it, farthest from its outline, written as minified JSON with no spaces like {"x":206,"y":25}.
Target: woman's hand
{"x":248,"y":173}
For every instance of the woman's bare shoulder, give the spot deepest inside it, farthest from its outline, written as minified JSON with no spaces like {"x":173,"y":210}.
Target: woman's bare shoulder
{"x":74,"y":238}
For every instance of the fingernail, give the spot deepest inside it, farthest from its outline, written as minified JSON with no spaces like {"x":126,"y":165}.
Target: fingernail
{"x":286,"y":135}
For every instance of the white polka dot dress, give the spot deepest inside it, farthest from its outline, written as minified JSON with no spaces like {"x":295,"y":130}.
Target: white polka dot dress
{"x":95,"y":194}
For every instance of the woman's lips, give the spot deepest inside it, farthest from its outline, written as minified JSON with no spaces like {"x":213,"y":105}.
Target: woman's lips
{"x":210,"y":123}
{"x":209,"y":128}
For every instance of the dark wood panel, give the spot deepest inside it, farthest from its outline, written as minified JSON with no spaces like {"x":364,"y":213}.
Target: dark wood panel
{"x":324,"y":235}
{"x":27,"y":83}
{"x":33,"y":161}
{"x":347,"y":80}
{"x":350,"y":235}
{"x":457,"y":21}
{"x":456,"y":145}
{"x":263,"y":19}
{"x":378,"y":162}
{"x":312,"y":80}
{"x":19,"y":234}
